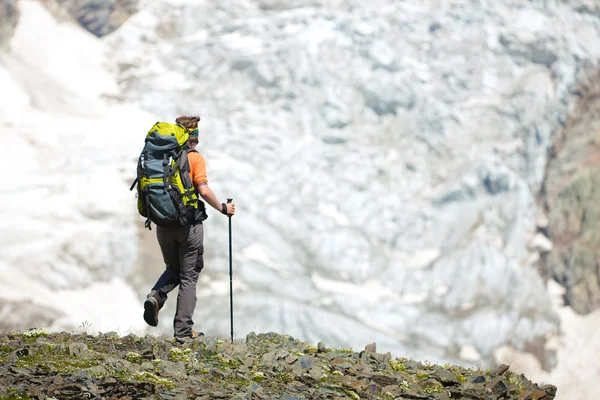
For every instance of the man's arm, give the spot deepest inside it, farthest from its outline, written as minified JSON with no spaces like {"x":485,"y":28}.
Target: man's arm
{"x":211,"y":199}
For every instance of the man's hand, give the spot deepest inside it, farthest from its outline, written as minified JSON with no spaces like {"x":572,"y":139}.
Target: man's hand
{"x":230,"y":208}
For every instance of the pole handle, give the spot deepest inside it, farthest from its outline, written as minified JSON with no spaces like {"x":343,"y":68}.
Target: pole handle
{"x":229,"y":200}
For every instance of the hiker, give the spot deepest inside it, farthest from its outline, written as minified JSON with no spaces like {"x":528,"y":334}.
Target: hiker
{"x":182,"y":247}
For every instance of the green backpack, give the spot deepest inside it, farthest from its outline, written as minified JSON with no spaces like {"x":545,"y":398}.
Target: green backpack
{"x":165,"y":192}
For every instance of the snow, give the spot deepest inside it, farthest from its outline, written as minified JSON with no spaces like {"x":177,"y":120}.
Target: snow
{"x":64,"y":51}
{"x":578,"y":350}
{"x":68,"y":238}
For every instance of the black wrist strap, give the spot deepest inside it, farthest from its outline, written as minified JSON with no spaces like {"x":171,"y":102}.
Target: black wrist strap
{"x":223,"y":208}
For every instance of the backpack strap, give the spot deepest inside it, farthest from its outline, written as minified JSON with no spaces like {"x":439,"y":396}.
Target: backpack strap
{"x":147,"y":224}
{"x":166,"y":172}
{"x":184,"y":169}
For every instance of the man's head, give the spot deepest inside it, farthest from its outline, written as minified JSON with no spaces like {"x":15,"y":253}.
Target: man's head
{"x":191,"y":123}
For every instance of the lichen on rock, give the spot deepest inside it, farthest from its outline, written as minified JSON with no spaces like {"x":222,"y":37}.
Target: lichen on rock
{"x":264,"y":366}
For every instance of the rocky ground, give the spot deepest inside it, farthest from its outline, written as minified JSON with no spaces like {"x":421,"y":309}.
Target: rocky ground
{"x":38,"y":365}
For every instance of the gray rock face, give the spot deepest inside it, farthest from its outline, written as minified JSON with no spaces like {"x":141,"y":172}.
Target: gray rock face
{"x":9,"y":16}
{"x":100,"y":17}
{"x":571,"y":196}
{"x":387,"y":156}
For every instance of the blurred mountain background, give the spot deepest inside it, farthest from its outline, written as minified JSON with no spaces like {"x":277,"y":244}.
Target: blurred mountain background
{"x":421,"y":174}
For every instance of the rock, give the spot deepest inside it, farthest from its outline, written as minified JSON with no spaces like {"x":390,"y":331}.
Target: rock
{"x":81,"y":376}
{"x":498,"y":386}
{"x":550,"y":390}
{"x":240,"y":348}
{"x":352,"y":383}
{"x":306,"y":362}
{"x":290,"y":397}
{"x":387,"y":357}
{"x":502,"y":369}
{"x":371,"y":348}
{"x":169,"y":369}
{"x":571,"y":194}
{"x":441,"y":396}
{"x":321,"y":347}
{"x":316,"y":372}
{"x":98,"y":17}
{"x":269,"y":358}
{"x":477,"y":379}
{"x":78,"y":350}
{"x":98,"y":370}
{"x":537,"y":395}
{"x":292,"y":358}
{"x":384,"y":380}
{"x":251,"y":339}
{"x":19,"y":371}
{"x":161,"y":351}
{"x":447,"y":378}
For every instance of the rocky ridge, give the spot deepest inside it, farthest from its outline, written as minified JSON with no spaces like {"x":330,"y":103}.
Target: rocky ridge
{"x":98,"y":17}
{"x":38,"y":365}
{"x":570,"y":198}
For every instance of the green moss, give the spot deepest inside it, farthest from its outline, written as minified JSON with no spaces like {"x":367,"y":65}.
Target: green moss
{"x":50,"y":347}
{"x":429,"y":389}
{"x":283,"y":377}
{"x":344,"y":351}
{"x":257,"y":376}
{"x":514,"y":379}
{"x":397,"y":365}
{"x":133,"y":357}
{"x":422,"y":375}
{"x":461,"y":378}
{"x":176,"y":354}
{"x":57,"y":362}
{"x":148,"y":377}
{"x":311,"y":349}
{"x":352,"y":395}
{"x":32,"y":335}
{"x":15,"y":394}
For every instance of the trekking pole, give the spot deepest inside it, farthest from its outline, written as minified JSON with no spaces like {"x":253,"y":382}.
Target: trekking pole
{"x":230,"y":277}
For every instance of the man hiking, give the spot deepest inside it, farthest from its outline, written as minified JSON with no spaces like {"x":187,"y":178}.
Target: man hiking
{"x":182,"y":247}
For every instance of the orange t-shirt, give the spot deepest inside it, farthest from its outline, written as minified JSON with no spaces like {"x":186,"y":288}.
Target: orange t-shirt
{"x":197,"y":168}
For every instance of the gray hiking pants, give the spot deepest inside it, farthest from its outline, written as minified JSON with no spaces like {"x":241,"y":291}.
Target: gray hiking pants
{"x":182,"y":250}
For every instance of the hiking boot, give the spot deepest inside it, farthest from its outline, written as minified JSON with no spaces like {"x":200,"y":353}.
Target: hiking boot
{"x":194,"y":335}
{"x":151,"y":311}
